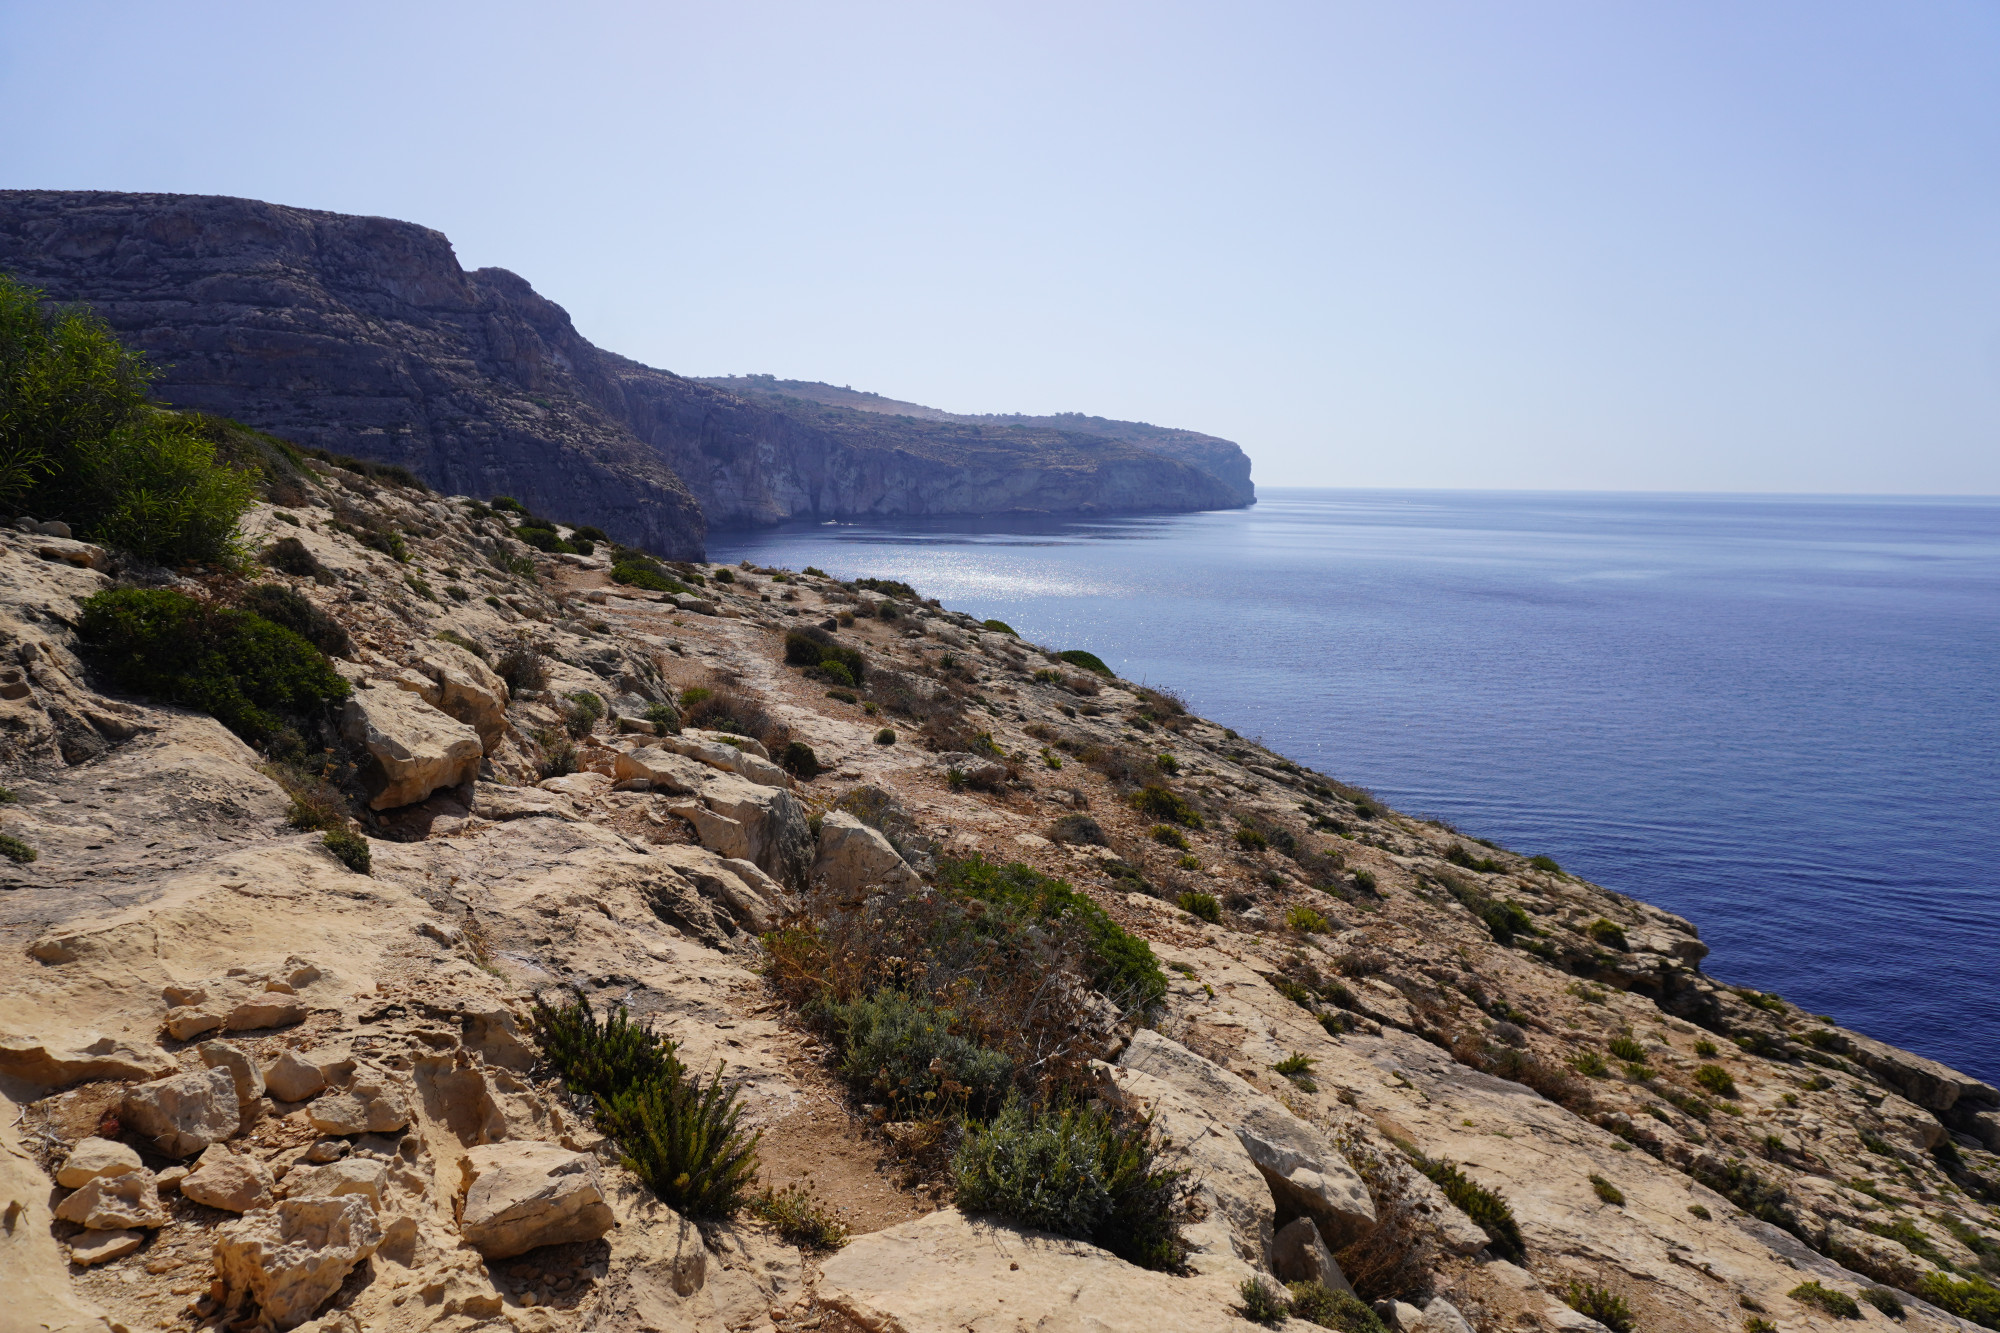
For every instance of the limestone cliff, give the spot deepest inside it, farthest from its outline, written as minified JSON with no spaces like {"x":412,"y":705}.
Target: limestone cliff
{"x":364,"y":336}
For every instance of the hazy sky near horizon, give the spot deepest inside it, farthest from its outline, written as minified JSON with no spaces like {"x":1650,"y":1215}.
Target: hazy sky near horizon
{"x":1699,"y":246}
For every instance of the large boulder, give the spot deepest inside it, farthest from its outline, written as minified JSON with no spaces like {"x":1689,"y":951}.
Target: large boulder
{"x":854,"y":860}
{"x":293,"y":1077}
{"x":1301,"y":1166}
{"x":55,"y":1065}
{"x":744,"y":821}
{"x":465,"y":688}
{"x":373,"y":1102}
{"x":101,"y":1247}
{"x":287,"y":1260}
{"x":519,"y":1196}
{"x":945,"y":1273}
{"x":1298,"y":1254}
{"x":234,"y":1182}
{"x":416,"y":749}
{"x":107,"y":1203}
{"x":94,"y":1157}
{"x":184,"y":1114}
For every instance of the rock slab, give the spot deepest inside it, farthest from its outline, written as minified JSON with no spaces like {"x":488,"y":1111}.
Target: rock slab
{"x":520,"y":1196}
{"x":184,"y":1114}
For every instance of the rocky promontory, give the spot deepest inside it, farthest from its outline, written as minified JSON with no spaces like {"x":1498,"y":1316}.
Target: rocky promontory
{"x":364,"y":336}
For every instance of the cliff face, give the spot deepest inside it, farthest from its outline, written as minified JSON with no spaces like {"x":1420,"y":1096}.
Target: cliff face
{"x":363,"y":335}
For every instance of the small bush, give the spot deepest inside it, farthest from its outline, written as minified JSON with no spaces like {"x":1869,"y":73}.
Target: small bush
{"x":815,"y":647}
{"x":909,"y":1053}
{"x":886,"y":736}
{"x":1458,"y":856}
{"x":250,"y":674}
{"x":523,"y":668}
{"x":1077,"y":1172}
{"x":1836,"y":1303}
{"x":1487,"y":1208}
{"x":1705,"y":1049}
{"x":1604,"y":1306}
{"x":1608,"y":933}
{"x":1606,"y":1191}
{"x":1316,"y":1304}
{"x":1090,"y":662}
{"x":281,"y":606}
{"x":350,"y":849}
{"x":20,"y":853}
{"x":1758,"y":1324}
{"x":999,"y":627}
{"x":1298,"y":1068}
{"x":1250,"y":840}
{"x":801,"y":1218}
{"x":1262,"y":1303}
{"x":1701,"y":1211}
{"x":1202,"y":905}
{"x":288,"y":555}
{"x":680,"y":1138}
{"x":460,"y":641}
{"x":1166,"y":806}
{"x":1627,"y":1049}
{"x":1306,"y":921}
{"x":1884,"y":1300}
{"x":1547,"y":863}
{"x":800,"y":761}
{"x":1120,"y":964}
{"x":1364,"y":880}
{"x":582,"y":713}
{"x":665,"y":717}
{"x":1590,"y":1064}
{"x":1079,"y":830}
{"x":1716,"y":1079}
{"x":1969,"y":1298}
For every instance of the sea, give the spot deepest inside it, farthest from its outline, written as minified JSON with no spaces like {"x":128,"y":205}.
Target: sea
{"x":1777,"y":716}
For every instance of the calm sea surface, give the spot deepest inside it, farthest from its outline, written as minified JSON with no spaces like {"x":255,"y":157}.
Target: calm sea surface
{"x":1779,"y":717}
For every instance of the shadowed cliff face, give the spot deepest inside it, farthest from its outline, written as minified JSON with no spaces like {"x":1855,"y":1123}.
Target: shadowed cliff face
{"x":363,"y":335}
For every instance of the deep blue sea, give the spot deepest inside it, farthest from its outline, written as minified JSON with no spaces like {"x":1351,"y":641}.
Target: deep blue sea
{"x":1777,"y":716}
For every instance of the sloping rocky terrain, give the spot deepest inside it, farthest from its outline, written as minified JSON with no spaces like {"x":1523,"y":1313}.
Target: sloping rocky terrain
{"x":248,"y":1086}
{"x":365,"y":337}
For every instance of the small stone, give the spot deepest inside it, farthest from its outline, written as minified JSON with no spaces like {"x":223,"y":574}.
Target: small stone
{"x":265,"y":1011}
{"x":292,"y":1078}
{"x":327,"y":1150}
{"x":520,"y":1196}
{"x":108,"y":1203}
{"x":184,"y":1114}
{"x":100,"y":1247}
{"x":227,"y":1055}
{"x":366,"y":1177}
{"x":230,"y":1181}
{"x":171,"y":1178}
{"x":189,"y":1021}
{"x":370,"y":1104}
{"x":94,"y":1157}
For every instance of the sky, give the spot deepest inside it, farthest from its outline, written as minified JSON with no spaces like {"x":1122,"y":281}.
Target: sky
{"x":1534,"y":244}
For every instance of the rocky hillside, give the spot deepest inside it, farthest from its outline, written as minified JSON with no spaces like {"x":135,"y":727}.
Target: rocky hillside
{"x":365,"y":337}
{"x":261,"y":1072}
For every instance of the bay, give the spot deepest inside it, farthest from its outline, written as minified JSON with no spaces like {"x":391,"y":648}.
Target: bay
{"x":1777,"y":716}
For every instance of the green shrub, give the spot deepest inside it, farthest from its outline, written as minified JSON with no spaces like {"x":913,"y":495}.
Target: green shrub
{"x":801,"y":1218}
{"x":1250,"y":840}
{"x":1167,"y":764}
{"x":1605,"y":1307}
{"x":1167,"y":806}
{"x":1836,"y":1303}
{"x":1262,"y":1303}
{"x":1605,"y":1190}
{"x":1088,"y":661}
{"x":350,"y":849}
{"x":523,"y":667}
{"x":1487,"y":1208}
{"x":20,"y":853}
{"x":281,"y":606}
{"x":999,"y":627}
{"x":909,"y":1053}
{"x":1120,"y":965}
{"x":1340,"y":1310}
{"x":664,"y":717}
{"x":583,"y":712}
{"x":1203,"y":905}
{"x":288,"y":555}
{"x":251,"y":675}
{"x":641,"y":576}
{"x":680,"y":1138}
{"x":886,"y":736}
{"x":1307,"y":921}
{"x":1705,"y":1049}
{"x":1627,"y":1049}
{"x":1700,"y":1210}
{"x":816,"y":647}
{"x":1298,"y":1068}
{"x":1590,"y":1064}
{"x":799,"y":760}
{"x":1458,"y":856}
{"x":1364,"y":880}
{"x":1884,"y":1300}
{"x":724,"y":574}
{"x":543,"y":539}
{"x":1716,"y":1079}
{"x":1077,"y":1172}
{"x":1547,"y":863}
{"x":1968,"y":1298}
{"x":1758,"y":1324}
{"x":1750,"y":1192}
{"x":1608,"y":933}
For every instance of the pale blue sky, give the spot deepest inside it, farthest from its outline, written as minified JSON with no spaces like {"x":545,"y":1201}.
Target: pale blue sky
{"x":1689,"y":246}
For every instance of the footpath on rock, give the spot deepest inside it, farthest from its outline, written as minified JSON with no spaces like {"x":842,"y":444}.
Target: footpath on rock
{"x":538,"y":935}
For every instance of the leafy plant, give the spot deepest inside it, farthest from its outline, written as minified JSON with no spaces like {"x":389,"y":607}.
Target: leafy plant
{"x":1120,"y":964}
{"x":1076,"y":1171}
{"x":1298,"y":1068}
{"x":1590,"y":1064}
{"x":1306,"y":921}
{"x":1165,"y":805}
{"x":1968,"y":1298}
{"x":886,"y":736}
{"x":251,"y":675}
{"x":1836,"y":1303}
{"x":800,"y":760}
{"x":1627,"y":1049}
{"x":1601,"y":1304}
{"x":282,"y":606}
{"x":1364,"y":880}
{"x":1716,"y":1079}
{"x":815,"y":647}
{"x":1250,"y":840}
{"x":999,"y":627}
{"x":20,"y":853}
{"x":1605,"y":1190}
{"x":1262,"y":1303}
{"x":523,"y":667}
{"x":1608,"y":933}
{"x":908,"y":1052}
{"x":1169,"y":836}
{"x":350,"y":849}
{"x":582,"y":712}
{"x":1487,"y":1208}
{"x":1884,"y":1300}
{"x":801,"y":1217}
{"x":1202,"y":905}
{"x":1090,"y":662}
{"x":1316,"y":1304}
{"x":1547,"y":863}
